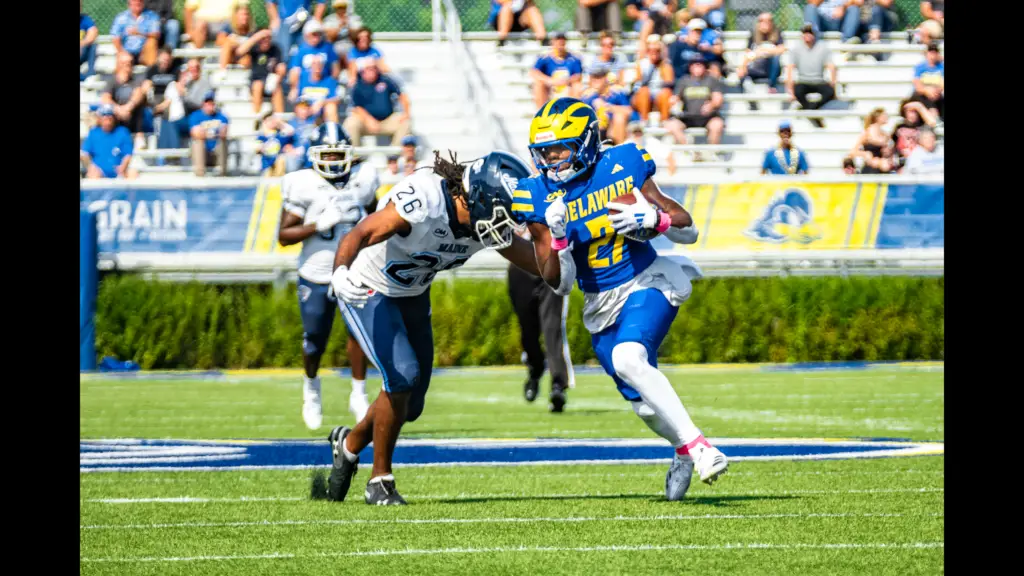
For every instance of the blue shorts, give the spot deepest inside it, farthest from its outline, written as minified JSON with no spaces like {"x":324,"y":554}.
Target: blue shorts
{"x":396,"y":335}
{"x":317,"y":311}
{"x":645,"y":318}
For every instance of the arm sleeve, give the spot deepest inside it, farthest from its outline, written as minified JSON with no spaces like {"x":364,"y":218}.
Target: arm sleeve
{"x":526,"y":207}
{"x":766,"y":164}
{"x":117,"y":28}
{"x":802,"y":163}
{"x":88,"y":146}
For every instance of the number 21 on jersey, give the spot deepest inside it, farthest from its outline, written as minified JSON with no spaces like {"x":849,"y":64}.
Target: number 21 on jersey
{"x":601,"y":233}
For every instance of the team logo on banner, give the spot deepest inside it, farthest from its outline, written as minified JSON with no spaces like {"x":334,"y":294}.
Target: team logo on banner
{"x":789,"y":217}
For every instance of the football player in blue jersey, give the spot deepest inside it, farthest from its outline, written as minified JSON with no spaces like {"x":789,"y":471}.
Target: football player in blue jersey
{"x":631,"y":294}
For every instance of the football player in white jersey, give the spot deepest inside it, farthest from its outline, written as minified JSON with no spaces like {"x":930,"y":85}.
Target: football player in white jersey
{"x":319,"y":206}
{"x":433,"y":220}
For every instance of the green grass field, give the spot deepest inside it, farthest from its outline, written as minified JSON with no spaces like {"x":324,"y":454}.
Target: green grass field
{"x":865,"y":516}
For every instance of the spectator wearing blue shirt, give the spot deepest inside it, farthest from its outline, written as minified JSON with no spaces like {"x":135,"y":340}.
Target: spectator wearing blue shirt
{"x":313,"y":47}
{"x":274,"y":142}
{"x":87,"y":33}
{"x":287,"y":17}
{"x":833,"y":16}
{"x":516,"y":16}
{"x":785,"y":159}
{"x":685,"y":50}
{"x":361,"y":50}
{"x":930,"y":82}
{"x":108,"y":148}
{"x":373,"y":107}
{"x":711,"y":11}
{"x":209,"y":131}
{"x":170,"y":27}
{"x":136,"y":32}
{"x":302,"y":126}
{"x":610,"y":102}
{"x":557,"y":74}
{"x":709,"y":46}
{"x":321,"y":92}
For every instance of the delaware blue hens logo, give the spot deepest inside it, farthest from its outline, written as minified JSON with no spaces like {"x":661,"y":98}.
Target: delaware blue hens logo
{"x":787,"y":218}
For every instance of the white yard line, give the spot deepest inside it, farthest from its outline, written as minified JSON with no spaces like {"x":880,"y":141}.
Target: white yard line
{"x":531,"y":549}
{"x":465,"y":496}
{"x":570,"y":519}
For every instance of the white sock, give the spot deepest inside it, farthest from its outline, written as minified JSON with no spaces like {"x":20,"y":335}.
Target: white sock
{"x":655,"y":423}
{"x":384,"y":478}
{"x":630,"y":362}
{"x":359,"y":386}
{"x":310,"y":385}
{"x":348,"y":455}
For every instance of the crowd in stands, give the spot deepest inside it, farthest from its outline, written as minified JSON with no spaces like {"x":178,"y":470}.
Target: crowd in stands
{"x":677,"y":80}
{"x":315,"y":62}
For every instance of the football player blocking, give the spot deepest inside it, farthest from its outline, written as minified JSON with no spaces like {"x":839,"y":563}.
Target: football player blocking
{"x":631,"y":295}
{"x":320,"y":204}
{"x":433,"y":220}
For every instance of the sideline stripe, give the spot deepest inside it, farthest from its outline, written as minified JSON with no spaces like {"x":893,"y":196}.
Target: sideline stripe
{"x":466,"y":496}
{"x":498,"y":550}
{"x":657,"y":518}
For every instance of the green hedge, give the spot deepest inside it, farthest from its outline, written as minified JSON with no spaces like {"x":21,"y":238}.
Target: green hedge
{"x":200,"y":326}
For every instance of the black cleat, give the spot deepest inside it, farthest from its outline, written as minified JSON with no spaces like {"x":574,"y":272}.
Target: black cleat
{"x":557,"y":400}
{"x":342,"y":471}
{"x":530,"y":389}
{"x":381,"y":491}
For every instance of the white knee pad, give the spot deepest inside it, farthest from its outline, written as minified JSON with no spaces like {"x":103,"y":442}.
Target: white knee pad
{"x":630,"y":361}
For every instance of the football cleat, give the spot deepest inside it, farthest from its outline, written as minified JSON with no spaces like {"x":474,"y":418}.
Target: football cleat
{"x":358,"y":404}
{"x":557,"y":399}
{"x":677,"y":481}
{"x":342,"y":470}
{"x":380,"y":491}
{"x":710,"y":463}
{"x":530,"y":389}
{"x":312,"y":412}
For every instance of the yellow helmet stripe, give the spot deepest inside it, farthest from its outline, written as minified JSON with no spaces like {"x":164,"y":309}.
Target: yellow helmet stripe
{"x":547,"y":107}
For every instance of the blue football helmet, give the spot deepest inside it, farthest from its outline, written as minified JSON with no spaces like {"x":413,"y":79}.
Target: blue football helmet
{"x":565,"y":124}
{"x":489,"y":183}
{"x":330,"y":151}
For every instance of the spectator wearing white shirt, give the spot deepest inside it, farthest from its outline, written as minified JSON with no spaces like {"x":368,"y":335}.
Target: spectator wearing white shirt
{"x":606,"y":57}
{"x":927,"y":157}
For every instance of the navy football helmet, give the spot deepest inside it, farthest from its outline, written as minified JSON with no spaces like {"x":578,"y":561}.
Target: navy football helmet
{"x":489,"y":183}
{"x":330,"y":151}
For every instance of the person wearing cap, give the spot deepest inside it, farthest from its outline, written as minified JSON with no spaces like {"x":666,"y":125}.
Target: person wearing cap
{"x":408,"y":155}
{"x":209,"y":131}
{"x":556,"y":74}
{"x":762,"y":60}
{"x":267,"y":72}
{"x":136,"y":31}
{"x":320,"y":91}
{"x":686,"y":47}
{"x":833,"y":16}
{"x":810,"y":60}
{"x":611,"y":104}
{"x":337,"y":27}
{"x":287,"y":17}
{"x":313,"y":46}
{"x":615,"y":62}
{"x":930,"y":81}
{"x":701,"y":98}
{"x":364,"y":49}
{"x":373,"y":106}
{"x":654,"y":81}
{"x":785,"y":159}
{"x":205,"y":19}
{"x":107,"y":149}
{"x":273,"y":143}
{"x":598,"y":15}
{"x":516,"y":16}
{"x":709,"y":45}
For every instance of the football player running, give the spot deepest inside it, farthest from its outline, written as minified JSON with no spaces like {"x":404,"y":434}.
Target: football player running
{"x":630,"y":294}
{"x":433,"y":220}
{"x":321,"y":204}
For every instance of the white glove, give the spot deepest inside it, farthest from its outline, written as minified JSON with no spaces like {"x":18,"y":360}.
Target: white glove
{"x":331,"y":215}
{"x":632,"y":217}
{"x":348,"y":289}
{"x":555,"y":217}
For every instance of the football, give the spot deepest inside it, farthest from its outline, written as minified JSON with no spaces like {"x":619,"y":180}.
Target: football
{"x":640,"y":235}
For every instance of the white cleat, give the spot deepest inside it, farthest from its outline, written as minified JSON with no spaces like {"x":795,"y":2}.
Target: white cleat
{"x":677,"y":482}
{"x":710,"y":463}
{"x":312,"y":412}
{"x":358,"y":404}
